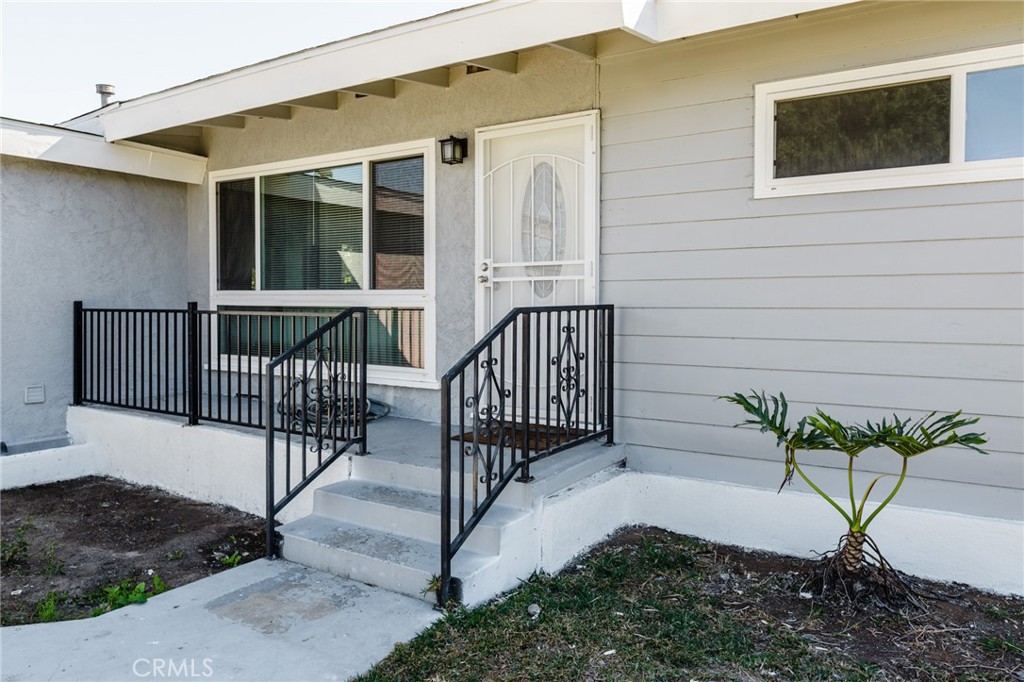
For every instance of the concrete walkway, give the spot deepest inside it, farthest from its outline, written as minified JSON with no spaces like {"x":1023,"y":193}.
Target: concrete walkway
{"x":267,"y":620}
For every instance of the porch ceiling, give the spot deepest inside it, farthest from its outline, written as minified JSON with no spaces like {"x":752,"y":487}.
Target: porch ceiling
{"x":188,"y":137}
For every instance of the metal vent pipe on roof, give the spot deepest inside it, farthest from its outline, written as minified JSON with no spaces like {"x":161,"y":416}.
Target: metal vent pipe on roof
{"x":105,"y":91}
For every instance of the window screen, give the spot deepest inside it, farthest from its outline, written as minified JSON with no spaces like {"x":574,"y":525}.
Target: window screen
{"x":394,"y":336}
{"x":397,"y":225}
{"x":236,"y":241}
{"x":888,"y":127}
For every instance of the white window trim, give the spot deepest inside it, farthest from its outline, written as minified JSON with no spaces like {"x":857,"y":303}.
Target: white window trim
{"x":425,"y":298}
{"x":958,"y":170}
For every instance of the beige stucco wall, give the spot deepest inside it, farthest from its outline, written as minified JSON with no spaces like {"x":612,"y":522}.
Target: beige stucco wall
{"x":70,"y":233}
{"x":549,"y":82}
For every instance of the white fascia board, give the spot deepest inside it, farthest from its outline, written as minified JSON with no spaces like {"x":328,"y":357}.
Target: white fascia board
{"x":56,"y":145}
{"x":476,"y":31}
{"x":89,"y":122}
{"x":684,"y":18}
{"x":86,"y":124}
{"x":640,"y":17}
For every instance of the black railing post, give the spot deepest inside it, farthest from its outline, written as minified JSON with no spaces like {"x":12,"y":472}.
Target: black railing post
{"x":192,"y":362}
{"x":78,"y":355}
{"x":363,"y":358}
{"x":269,"y":439}
{"x":610,"y":380}
{"x":524,"y":474}
{"x":446,"y":492}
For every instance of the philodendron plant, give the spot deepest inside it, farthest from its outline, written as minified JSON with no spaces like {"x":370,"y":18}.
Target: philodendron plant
{"x":821,"y":432}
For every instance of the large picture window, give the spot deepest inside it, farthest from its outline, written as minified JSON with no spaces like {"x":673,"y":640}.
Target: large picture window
{"x":330,"y":233}
{"x":930,"y":121}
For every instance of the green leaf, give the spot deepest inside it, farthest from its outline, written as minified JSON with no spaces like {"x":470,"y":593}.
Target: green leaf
{"x":768,"y":421}
{"x":930,"y":433}
{"x":820,"y":431}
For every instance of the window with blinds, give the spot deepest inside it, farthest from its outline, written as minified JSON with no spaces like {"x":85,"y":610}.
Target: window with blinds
{"x":357,"y":227}
{"x":312,"y":224}
{"x":313,"y":231}
{"x":397,"y":224}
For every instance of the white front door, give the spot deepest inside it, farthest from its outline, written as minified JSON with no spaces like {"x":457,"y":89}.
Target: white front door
{"x":537,"y":208}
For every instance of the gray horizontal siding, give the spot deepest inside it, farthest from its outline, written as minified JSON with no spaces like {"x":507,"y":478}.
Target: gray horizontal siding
{"x":702,"y":408}
{"x":995,"y":469}
{"x":995,"y":327}
{"x":969,"y":498}
{"x":998,"y":398}
{"x":935,"y":361}
{"x":916,"y":223}
{"x":863,"y":303}
{"x":732,"y":204}
{"x":923,"y":292}
{"x":894,"y":258}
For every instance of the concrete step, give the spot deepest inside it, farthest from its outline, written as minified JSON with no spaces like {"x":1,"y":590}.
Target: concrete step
{"x":409,"y":512}
{"x":394,"y":562}
{"x":421,"y":475}
{"x":382,"y":525}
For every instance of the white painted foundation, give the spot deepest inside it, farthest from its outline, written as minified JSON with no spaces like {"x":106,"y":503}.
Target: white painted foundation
{"x":209,"y":464}
{"x":227,"y":467}
{"x":48,"y":466}
{"x":984,"y":552}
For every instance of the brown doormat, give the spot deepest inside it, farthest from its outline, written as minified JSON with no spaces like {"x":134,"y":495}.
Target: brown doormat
{"x":539,"y":437}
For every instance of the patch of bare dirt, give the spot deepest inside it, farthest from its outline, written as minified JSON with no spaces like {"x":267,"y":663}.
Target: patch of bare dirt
{"x":68,"y":542}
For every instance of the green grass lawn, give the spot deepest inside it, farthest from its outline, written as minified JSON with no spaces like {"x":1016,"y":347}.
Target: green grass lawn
{"x":630,"y":611}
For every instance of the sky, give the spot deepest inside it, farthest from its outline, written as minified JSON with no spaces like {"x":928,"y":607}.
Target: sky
{"x":52,"y":54}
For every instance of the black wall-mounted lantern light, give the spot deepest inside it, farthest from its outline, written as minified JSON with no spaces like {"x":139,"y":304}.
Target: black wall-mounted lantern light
{"x":454,"y":149}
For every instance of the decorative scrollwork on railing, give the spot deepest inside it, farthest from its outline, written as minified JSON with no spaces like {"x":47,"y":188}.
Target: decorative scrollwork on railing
{"x":489,"y":426}
{"x":313,"y":403}
{"x":571,"y":388}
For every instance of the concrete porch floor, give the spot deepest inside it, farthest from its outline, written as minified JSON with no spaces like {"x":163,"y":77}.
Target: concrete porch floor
{"x":267,"y":620}
{"x":403,"y":441}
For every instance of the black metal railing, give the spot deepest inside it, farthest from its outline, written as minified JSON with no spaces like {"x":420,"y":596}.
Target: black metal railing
{"x":321,"y":412}
{"x":136,"y":359}
{"x":540,"y":382}
{"x":204,"y":365}
{"x":299,"y":376}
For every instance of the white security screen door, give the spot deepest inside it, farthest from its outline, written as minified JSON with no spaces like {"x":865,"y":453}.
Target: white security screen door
{"x":536,"y":225}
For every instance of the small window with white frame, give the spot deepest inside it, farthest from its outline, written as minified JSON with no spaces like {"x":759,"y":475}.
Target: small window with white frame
{"x":325,"y":233}
{"x":941,"y":120}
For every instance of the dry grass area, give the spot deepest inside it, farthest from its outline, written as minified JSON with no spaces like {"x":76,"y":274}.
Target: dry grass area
{"x":652,"y":605}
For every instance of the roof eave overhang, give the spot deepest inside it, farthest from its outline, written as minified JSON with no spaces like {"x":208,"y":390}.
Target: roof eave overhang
{"x":461,"y":36}
{"x":73,"y":148}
